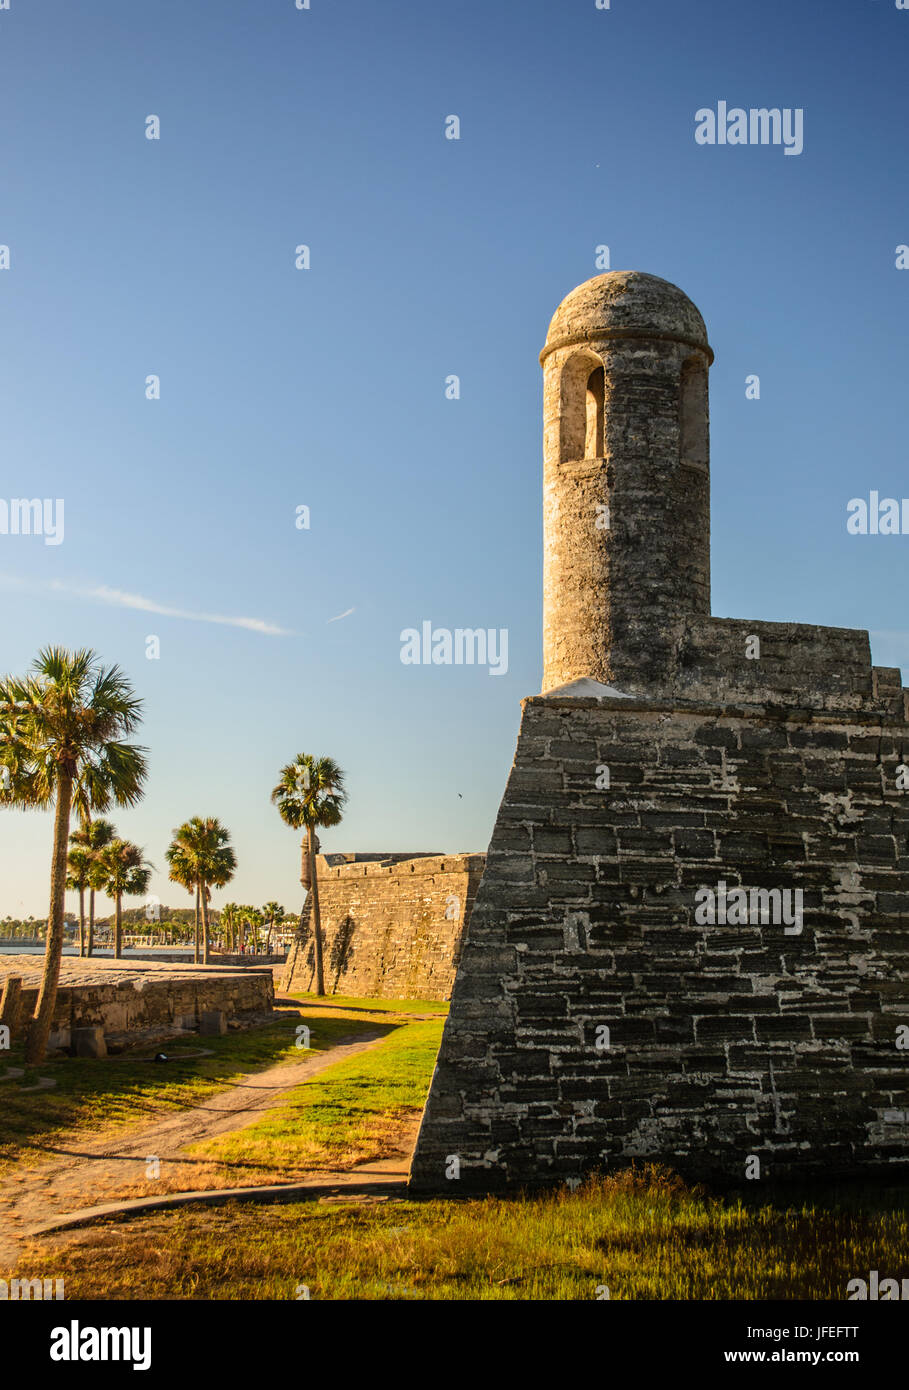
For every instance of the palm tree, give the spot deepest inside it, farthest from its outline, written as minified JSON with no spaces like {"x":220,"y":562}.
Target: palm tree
{"x":95,"y":789}
{"x":69,"y":713}
{"x":251,"y":918}
{"x":100,"y":834}
{"x":121,"y":870}
{"x":273,"y":914}
{"x":93,"y":837}
{"x":79,"y":863}
{"x":311,"y":795}
{"x":230,"y":920}
{"x":182,"y":871}
{"x":201,"y":857}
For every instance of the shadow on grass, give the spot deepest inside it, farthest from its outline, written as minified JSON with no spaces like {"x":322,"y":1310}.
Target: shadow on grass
{"x":94,"y":1094}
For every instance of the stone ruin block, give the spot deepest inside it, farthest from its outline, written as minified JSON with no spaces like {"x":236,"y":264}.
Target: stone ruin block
{"x":89,"y":1042}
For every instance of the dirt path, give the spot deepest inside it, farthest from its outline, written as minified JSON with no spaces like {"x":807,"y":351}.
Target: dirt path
{"x":85,"y":1173}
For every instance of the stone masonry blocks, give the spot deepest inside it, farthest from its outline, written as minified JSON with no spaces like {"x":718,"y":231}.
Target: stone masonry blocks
{"x":724,"y":1040}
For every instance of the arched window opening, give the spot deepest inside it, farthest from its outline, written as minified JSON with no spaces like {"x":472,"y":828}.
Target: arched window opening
{"x":694,"y":439}
{"x":581,"y":408}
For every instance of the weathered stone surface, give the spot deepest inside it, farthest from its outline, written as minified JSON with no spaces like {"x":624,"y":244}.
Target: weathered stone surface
{"x":636,"y":962}
{"x":623,"y":1024}
{"x":130,"y":996}
{"x":88,"y":1042}
{"x":390,"y":929}
{"x":625,"y":411}
{"x":626,"y":520}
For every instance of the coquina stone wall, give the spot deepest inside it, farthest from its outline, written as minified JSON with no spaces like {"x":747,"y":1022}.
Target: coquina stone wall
{"x":129,"y":996}
{"x":390,"y":929}
{"x":725,"y":1041}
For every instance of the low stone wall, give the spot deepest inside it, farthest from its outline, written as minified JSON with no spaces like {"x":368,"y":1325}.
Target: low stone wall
{"x":390,"y":930}
{"x":130,"y":997}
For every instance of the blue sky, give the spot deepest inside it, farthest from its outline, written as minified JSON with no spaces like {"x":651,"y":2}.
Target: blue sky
{"x":325,"y":387}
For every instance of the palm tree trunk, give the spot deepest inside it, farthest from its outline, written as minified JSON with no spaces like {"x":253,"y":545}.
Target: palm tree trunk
{"x":118,"y":943}
{"x":82,"y":920}
{"x":316,"y":918}
{"x":205,"y":945}
{"x":196,"y":930}
{"x":91,"y":920}
{"x":39,"y":1032}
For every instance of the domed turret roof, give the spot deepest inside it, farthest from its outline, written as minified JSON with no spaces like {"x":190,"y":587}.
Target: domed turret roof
{"x":626,"y":302}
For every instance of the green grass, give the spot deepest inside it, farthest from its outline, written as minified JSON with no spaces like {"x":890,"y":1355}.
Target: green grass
{"x":375,"y":1006}
{"x":642,"y":1236}
{"x":91,"y":1096}
{"x":349,"y":1114}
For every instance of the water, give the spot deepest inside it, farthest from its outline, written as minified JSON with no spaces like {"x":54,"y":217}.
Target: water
{"x":15,"y":948}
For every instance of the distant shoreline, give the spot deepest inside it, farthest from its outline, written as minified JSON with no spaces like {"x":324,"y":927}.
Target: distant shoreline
{"x":18,"y":948}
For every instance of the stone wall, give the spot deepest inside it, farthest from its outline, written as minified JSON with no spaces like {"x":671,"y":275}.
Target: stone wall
{"x":793,"y":664}
{"x":724,"y":1040}
{"x":390,"y":929}
{"x":131,"y":997}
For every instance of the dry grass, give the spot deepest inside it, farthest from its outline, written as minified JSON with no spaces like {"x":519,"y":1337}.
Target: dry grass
{"x":642,"y":1236}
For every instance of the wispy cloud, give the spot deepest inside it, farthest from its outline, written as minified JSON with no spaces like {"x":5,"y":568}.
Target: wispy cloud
{"x":120,"y":598}
{"x":338,"y":616}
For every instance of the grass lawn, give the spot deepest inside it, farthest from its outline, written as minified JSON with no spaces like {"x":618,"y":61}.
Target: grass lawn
{"x":93,"y":1096}
{"x":642,"y":1237}
{"x":374,"y":1006}
{"x":350,"y":1114}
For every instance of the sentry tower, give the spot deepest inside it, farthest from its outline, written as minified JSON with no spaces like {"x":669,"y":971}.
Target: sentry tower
{"x":626,"y":509}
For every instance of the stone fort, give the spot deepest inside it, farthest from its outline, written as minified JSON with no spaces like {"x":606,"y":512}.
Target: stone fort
{"x":689,"y":943}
